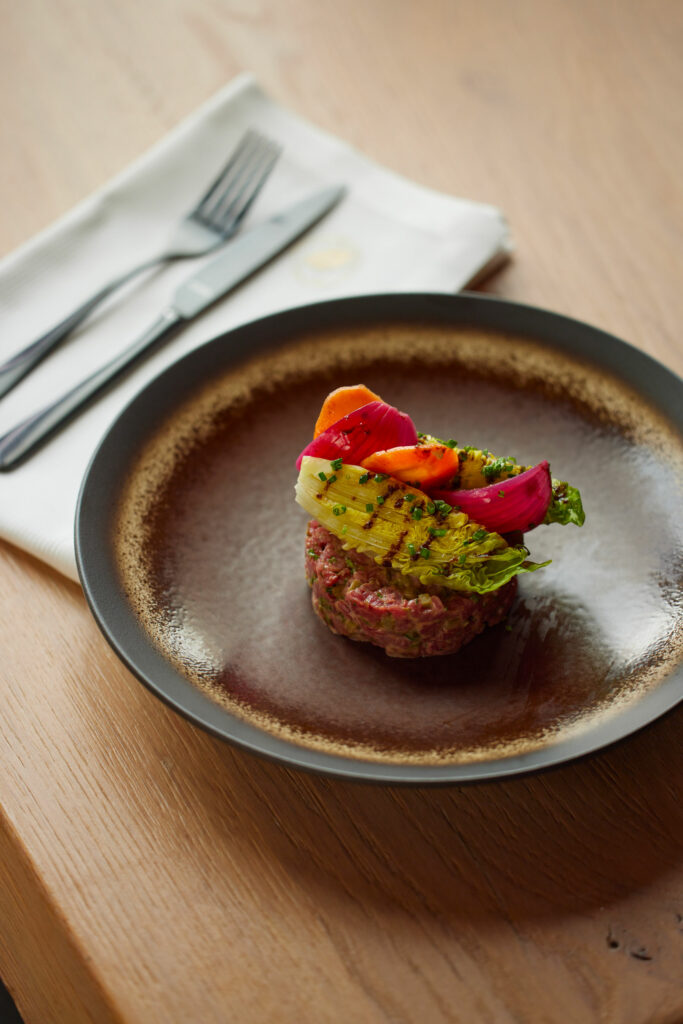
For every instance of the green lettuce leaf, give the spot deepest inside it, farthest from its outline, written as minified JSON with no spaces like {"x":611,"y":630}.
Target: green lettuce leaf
{"x":565,"y":506}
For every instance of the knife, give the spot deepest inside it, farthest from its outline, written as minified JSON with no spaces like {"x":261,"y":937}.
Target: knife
{"x":241,"y":257}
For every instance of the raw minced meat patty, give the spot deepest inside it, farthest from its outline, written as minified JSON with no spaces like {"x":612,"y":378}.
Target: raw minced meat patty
{"x":363,"y":601}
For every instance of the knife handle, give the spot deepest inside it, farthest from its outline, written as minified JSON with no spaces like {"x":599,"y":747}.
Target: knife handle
{"x":16,"y":368}
{"x":21,"y":440}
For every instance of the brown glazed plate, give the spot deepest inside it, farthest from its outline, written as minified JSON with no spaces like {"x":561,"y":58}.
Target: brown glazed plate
{"x":190,"y":546}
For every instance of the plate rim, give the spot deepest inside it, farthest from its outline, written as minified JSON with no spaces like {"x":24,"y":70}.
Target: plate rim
{"x":106,"y":598}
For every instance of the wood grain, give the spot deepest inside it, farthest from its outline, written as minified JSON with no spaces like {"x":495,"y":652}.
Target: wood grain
{"x":149,"y":872}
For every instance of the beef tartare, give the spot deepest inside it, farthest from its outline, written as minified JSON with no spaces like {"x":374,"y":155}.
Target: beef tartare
{"x":363,"y":601}
{"x":409,"y":547}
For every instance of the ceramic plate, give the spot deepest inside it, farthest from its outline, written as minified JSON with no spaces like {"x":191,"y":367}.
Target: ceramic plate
{"x":190,"y":545}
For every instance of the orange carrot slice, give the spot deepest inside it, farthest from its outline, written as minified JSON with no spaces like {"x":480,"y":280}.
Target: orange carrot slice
{"x":341,"y":402}
{"x":423,"y":464}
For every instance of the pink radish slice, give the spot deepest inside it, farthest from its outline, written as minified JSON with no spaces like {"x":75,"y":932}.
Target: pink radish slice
{"x":519,"y":503}
{"x":371,"y":428}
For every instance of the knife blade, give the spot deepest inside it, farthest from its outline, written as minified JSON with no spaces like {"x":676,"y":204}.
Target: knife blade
{"x":249,"y":251}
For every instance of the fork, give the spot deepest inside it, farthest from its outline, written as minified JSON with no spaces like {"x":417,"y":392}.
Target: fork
{"x":214,"y":219}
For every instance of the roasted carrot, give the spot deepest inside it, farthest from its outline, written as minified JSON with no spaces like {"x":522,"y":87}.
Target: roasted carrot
{"x":341,"y":402}
{"x":423,"y":464}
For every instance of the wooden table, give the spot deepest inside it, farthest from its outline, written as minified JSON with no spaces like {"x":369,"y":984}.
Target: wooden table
{"x":151,"y":873}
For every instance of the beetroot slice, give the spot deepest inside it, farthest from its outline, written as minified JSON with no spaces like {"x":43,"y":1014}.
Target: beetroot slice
{"x":371,"y":428}
{"x":519,"y":503}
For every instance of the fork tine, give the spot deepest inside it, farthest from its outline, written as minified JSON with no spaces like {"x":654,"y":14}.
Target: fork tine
{"x":249,"y":194}
{"x":240,"y":177}
{"x":233,"y":205}
{"x":241,"y":152}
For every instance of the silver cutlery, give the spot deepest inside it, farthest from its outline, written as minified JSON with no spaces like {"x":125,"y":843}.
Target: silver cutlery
{"x":244,"y":255}
{"x":215,"y":218}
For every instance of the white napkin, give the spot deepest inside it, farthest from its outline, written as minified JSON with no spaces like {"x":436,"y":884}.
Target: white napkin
{"x":387,"y":235}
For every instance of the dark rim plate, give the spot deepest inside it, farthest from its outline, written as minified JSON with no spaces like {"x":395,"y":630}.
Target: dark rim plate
{"x":112,"y":464}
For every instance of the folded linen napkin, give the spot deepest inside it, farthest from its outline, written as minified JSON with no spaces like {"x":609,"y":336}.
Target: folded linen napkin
{"x":387,"y":235}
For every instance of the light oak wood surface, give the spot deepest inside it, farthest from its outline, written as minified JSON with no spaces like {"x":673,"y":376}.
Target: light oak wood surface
{"x":150,"y":873}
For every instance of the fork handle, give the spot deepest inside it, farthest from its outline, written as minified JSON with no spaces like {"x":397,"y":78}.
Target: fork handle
{"x":19,"y":365}
{"x":21,"y":440}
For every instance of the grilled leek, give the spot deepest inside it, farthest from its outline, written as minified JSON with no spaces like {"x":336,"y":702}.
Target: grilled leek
{"x":403,"y":528}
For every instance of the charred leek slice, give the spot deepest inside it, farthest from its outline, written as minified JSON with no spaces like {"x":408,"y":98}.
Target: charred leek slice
{"x":402,"y":528}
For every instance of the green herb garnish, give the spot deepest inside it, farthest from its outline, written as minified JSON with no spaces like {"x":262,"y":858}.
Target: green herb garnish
{"x":497,"y":468}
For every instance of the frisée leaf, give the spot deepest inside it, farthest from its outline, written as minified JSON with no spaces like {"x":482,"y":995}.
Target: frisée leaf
{"x":565,"y":506}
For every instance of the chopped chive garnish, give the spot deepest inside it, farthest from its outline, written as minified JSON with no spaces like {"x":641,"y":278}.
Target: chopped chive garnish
{"x":336,"y":464}
{"x":497,"y":468}
{"x":344,"y":528}
{"x":380,"y":499}
{"x":431,"y":508}
{"x":451,"y":444}
{"x":369,"y":507}
{"x":411,"y":547}
{"x":501,"y":494}
{"x":339,"y":510}
{"x":424,"y":552}
{"x":409,"y":497}
{"x":364,"y":478}
{"x":417,"y":513}
{"x":480,"y":534}
{"x":437,"y":533}
{"x":322,"y":475}
{"x":331,"y":479}
{"x":461,"y":560}
{"x":381,"y":476}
